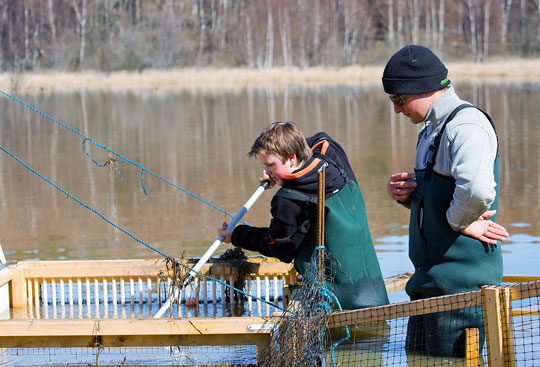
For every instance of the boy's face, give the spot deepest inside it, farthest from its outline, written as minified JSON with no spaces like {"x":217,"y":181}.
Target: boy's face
{"x":275,"y":168}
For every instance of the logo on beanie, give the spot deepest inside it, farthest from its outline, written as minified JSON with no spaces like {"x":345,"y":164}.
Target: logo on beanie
{"x":444,"y":81}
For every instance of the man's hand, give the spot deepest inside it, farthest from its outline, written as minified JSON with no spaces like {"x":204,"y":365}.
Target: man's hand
{"x":486,"y":230}
{"x":401,"y":185}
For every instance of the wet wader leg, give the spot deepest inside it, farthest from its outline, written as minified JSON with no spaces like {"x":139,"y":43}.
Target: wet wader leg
{"x":445,"y":331}
{"x":416,"y":334}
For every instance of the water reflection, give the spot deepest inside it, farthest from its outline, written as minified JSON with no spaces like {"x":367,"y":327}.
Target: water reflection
{"x":199,"y":140}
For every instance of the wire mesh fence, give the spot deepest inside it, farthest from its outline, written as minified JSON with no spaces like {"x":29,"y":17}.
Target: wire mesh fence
{"x":495,"y":326}
{"x":240,"y":355}
{"x":519,"y":328}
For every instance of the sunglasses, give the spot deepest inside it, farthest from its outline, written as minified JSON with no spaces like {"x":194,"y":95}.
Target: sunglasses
{"x":398,"y":100}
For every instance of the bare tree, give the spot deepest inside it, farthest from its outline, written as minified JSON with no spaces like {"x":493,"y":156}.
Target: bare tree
{"x":415,"y":14}
{"x":317,"y":33}
{"x":429,"y":21}
{"x":52,"y":21}
{"x":285,"y":33}
{"x":506,"y":6}
{"x":538,"y":20}
{"x":249,"y":40}
{"x":223,"y":24}
{"x":472,"y":26}
{"x":80,"y":13}
{"x":134,"y":34}
{"x":523,"y":21}
{"x":3,"y":22}
{"x":440,"y":33}
{"x":26,"y":33}
{"x":302,"y":36}
{"x":400,"y":25}
{"x":350,"y":36}
{"x":202,"y":30}
{"x":268,"y":62}
{"x":461,"y":16}
{"x":486,"y":13}
{"x":391,"y":36}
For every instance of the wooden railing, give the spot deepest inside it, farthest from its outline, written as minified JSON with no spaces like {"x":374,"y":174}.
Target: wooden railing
{"x":38,"y":291}
{"x":59,"y":289}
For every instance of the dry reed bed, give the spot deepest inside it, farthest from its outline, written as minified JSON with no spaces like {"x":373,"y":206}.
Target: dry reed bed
{"x":213,"y":78}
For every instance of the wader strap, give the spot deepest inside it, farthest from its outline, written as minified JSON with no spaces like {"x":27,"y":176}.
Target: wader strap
{"x":341,"y":170}
{"x":434,"y":147}
{"x":329,"y":160}
{"x":292,"y":194}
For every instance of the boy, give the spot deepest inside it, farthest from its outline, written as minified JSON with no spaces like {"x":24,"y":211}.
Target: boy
{"x":292,"y":162}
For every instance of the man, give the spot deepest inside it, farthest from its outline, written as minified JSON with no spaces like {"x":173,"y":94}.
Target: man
{"x":453,"y":237}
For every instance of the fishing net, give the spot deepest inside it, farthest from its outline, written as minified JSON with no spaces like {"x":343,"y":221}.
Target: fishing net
{"x":299,"y":334}
{"x":236,"y":261}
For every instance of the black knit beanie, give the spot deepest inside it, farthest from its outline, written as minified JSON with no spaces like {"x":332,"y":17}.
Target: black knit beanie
{"x":414,"y":70}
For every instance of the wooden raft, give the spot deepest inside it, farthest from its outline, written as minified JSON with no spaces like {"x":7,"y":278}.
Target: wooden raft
{"x":29,"y":288}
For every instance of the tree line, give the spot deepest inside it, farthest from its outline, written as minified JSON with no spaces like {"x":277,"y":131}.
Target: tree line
{"x":109,"y":35}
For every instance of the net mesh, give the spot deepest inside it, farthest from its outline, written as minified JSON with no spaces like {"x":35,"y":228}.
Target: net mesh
{"x":299,"y":334}
{"x":480,"y":328}
{"x":244,"y":355}
{"x":520,"y":323}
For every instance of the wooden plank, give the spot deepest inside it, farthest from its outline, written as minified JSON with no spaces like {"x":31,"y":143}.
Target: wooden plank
{"x":59,"y":269}
{"x":507,"y":329}
{"x":397,"y":282}
{"x":6,"y":274}
{"x":92,"y":341}
{"x":142,"y":327}
{"x":519,"y":278}
{"x":18,"y":291}
{"x":472,"y":343}
{"x":405,"y":309}
{"x":525,"y":290}
{"x":493,"y":325}
{"x":530,"y":311}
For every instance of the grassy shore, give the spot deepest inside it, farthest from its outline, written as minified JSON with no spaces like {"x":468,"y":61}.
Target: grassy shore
{"x":212,"y":78}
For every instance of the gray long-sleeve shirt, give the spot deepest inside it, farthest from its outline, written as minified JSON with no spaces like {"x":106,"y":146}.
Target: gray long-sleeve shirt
{"x":467,"y":152}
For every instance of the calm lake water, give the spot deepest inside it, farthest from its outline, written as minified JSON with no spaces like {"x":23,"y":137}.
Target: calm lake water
{"x":199,"y":140}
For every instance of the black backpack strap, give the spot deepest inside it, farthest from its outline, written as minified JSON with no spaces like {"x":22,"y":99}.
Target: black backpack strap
{"x":292,"y":194}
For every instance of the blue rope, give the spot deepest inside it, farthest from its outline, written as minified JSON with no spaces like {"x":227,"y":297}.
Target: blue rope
{"x":326,"y":306}
{"x":130,"y":234}
{"x":123,"y":159}
{"x":108,"y":162}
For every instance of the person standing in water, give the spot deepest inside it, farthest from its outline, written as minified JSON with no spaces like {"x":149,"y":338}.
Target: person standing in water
{"x":452,"y":195}
{"x":292,"y":162}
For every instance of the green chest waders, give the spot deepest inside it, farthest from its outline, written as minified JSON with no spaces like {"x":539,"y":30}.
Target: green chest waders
{"x":445,"y":262}
{"x":358,"y":282}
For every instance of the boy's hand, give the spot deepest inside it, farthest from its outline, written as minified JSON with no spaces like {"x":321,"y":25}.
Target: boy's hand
{"x":266,"y":177}
{"x":226,"y":233}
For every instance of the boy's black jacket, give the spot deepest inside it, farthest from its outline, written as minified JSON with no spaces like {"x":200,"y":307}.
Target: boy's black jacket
{"x":291,"y":219}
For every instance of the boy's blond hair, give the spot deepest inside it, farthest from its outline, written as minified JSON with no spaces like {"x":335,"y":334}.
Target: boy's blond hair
{"x":282,"y":139}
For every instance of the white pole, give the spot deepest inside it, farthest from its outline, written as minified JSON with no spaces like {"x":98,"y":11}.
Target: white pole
{"x":3,"y":261}
{"x":195,"y":270}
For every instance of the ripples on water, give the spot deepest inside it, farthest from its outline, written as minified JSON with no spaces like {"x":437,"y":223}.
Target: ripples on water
{"x":199,"y":141}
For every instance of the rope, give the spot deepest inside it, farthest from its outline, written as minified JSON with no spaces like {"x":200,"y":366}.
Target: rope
{"x":327,"y":309}
{"x":122,"y":160}
{"x":128,"y":233}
